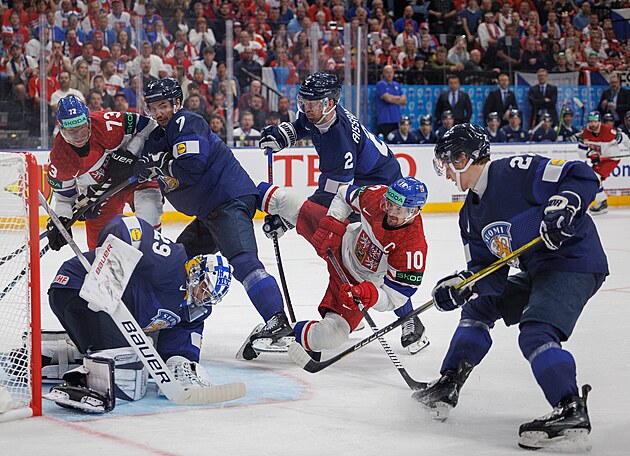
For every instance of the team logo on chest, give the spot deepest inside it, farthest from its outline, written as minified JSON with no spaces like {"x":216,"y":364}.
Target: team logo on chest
{"x":368,"y":253}
{"x":499,"y":240}
{"x":164,"y":319}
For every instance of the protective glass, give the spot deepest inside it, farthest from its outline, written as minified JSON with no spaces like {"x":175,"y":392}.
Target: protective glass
{"x":77,"y":136}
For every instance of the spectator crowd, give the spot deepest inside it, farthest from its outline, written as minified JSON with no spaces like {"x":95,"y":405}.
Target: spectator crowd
{"x":107,"y":51}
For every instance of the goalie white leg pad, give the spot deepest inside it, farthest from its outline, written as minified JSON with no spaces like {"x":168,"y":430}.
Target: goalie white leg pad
{"x":59,"y":354}
{"x":328,"y":333}
{"x":130,"y":375}
{"x":148,"y":205}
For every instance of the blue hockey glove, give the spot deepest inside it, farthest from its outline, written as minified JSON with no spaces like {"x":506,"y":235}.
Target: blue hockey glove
{"x":446,"y":297}
{"x":275,"y":224}
{"x":557,"y":223}
{"x":153,"y":165}
{"x":277,"y":137}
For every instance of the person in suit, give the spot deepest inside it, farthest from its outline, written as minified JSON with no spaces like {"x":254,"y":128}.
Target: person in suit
{"x":501,"y":100}
{"x":542,"y":97}
{"x":454,"y":100}
{"x":615,"y":100}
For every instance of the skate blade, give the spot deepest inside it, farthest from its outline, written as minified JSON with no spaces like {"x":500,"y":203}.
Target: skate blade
{"x":439,"y":411}
{"x":599,"y":212}
{"x":266,"y":345}
{"x":239,"y":353}
{"x":418,"y":345}
{"x":569,"y":441}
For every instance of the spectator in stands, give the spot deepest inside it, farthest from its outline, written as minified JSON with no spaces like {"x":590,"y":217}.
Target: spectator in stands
{"x":257,"y":109}
{"x":316,"y":6}
{"x":615,"y":63}
{"x":568,"y":133}
{"x":592,"y":63}
{"x":20,"y":69}
{"x":109,"y":35}
{"x":447,"y":120}
{"x":403,"y":134}
{"x":34,"y":86}
{"x":425,"y":51}
{"x":284,"y":111}
{"x":455,"y":100}
{"x":415,"y":75}
{"x":87,"y":55}
{"x":150,"y":18}
{"x":489,"y":35}
{"x":531,"y":59}
{"x":561,"y":65}
{"x":514,"y":130}
{"x":73,"y":24}
{"x":218,"y":25}
{"x":283,"y":68}
{"x":218,"y":127}
{"x":471,"y":18}
{"x":425,"y":134}
{"x":493,"y":130}
{"x":500,"y":100}
{"x":80,"y":79}
{"x":222,"y":77}
{"x":121,"y":104}
{"x":399,"y":24}
{"x":159,"y":34}
{"x":179,"y":21}
{"x":509,"y":49}
{"x":389,"y":99}
{"x":246,"y":42}
{"x":95,"y":102}
{"x":408,"y":33}
{"x":99,"y":49}
{"x":201,"y":36}
{"x":245,"y":134}
{"x":442,"y":16}
{"x":134,"y":97}
{"x":273,"y":118}
{"x":202,"y":87}
{"x":194,"y":104}
{"x":459,"y":53}
{"x":542,"y":98}
{"x":207,"y":64}
{"x":337,"y":62}
{"x":255,"y":88}
{"x":615,"y":99}
{"x":295,"y":25}
{"x":128,"y":50}
{"x":113,"y":81}
{"x":407,"y":55}
{"x":98,"y":85}
{"x":57,"y":62}
{"x":146,"y":52}
{"x":302,"y":43}
{"x":118,"y":19}
{"x":441,"y":67}
{"x":304,"y":67}
{"x":504,"y":15}
{"x":120,"y":62}
{"x":592,"y":26}
{"x":18,"y":8}
{"x":286,"y":11}
{"x":473,"y":70}
{"x":145,"y":71}
{"x":595,"y":45}
{"x":551,"y":29}
{"x":179,"y":58}
{"x":53,"y":32}
{"x":245,"y":66}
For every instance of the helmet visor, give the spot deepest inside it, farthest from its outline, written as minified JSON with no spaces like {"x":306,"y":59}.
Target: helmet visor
{"x":310,"y":105}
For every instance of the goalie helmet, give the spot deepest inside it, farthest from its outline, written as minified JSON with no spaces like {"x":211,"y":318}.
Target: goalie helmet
{"x":403,"y":197}
{"x":163,"y":89}
{"x":74,"y":121}
{"x":208,"y":281}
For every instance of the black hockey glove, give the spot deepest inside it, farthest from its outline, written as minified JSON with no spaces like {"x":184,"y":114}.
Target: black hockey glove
{"x":120,"y":165}
{"x":557,"y":223}
{"x":277,"y":137}
{"x":446,"y":297}
{"x":55,"y":239}
{"x":86,"y":204}
{"x":153,"y":165}
{"x":275,"y":224}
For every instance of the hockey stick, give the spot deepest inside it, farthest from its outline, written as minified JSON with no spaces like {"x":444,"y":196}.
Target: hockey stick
{"x":276,"y":246}
{"x":413,"y":384}
{"x":564,"y":105}
{"x":301,"y":358}
{"x":536,"y":128}
{"x":140,"y":343}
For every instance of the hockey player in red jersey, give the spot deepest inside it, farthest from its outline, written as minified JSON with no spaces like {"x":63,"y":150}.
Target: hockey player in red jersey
{"x":600,"y":144}
{"x":384,"y":254}
{"x":94,"y":151}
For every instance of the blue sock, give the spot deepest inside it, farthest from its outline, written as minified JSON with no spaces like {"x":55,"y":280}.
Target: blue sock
{"x":264,"y":293}
{"x":404,"y":310}
{"x":471,"y":341}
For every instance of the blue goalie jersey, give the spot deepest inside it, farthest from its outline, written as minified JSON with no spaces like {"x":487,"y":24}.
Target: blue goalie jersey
{"x":205,"y":173}
{"x":348,"y":153}
{"x":509,"y":213}
{"x":157,"y":287}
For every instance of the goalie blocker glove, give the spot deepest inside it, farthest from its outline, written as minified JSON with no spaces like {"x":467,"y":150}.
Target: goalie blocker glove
{"x":55,"y":238}
{"x":557,"y":223}
{"x":277,"y":137}
{"x":446,"y":297}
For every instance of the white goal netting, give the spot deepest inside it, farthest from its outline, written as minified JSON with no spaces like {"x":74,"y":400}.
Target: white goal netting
{"x":16,"y":300}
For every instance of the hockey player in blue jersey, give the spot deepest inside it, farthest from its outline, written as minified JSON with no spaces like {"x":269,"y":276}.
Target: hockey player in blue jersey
{"x":495,"y":134}
{"x":348,"y":154}
{"x":168,"y":294}
{"x":403,"y":134}
{"x":568,"y":133}
{"x":546,"y":132}
{"x":425,"y":134}
{"x":200,"y":177}
{"x":511,"y":201}
{"x":448,"y":120}
{"x":514,"y":129}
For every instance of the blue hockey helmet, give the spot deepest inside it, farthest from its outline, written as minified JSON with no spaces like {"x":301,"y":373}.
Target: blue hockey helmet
{"x":403,"y":197}
{"x":163,"y":89}
{"x":594,"y":116}
{"x":74,"y":121}
{"x":426,"y":119}
{"x":320,"y":85}
{"x":208,"y":281}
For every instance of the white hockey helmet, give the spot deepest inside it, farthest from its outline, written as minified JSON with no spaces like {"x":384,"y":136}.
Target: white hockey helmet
{"x":208,"y":281}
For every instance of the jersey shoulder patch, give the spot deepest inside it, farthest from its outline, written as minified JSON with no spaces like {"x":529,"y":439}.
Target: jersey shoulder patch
{"x":553,"y":170}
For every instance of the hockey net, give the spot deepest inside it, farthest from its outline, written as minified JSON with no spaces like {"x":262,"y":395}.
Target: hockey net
{"x":20,"y":345}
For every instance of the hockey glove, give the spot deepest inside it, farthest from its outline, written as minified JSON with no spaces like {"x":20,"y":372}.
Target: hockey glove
{"x":593,"y":157}
{"x":366,"y":292}
{"x":446,"y":297}
{"x":55,"y":239}
{"x":328,"y":235}
{"x":557,"y":223}
{"x":120,"y":165}
{"x":275,"y":224}
{"x":86,"y":204}
{"x":152,"y":166}
{"x":277,"y":137}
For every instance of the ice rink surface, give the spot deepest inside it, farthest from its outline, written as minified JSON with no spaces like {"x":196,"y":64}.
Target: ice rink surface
{"x":360,"y":405}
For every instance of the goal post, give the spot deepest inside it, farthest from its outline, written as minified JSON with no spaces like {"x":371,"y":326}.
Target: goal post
{"x":20,"y":329}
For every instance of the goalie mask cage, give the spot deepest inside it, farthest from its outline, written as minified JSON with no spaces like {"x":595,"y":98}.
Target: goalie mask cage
{"x":20,"y":333}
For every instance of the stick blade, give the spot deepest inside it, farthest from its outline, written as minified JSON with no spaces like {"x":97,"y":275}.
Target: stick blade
{"x":212,"y":394}
{"x":301,"y":358}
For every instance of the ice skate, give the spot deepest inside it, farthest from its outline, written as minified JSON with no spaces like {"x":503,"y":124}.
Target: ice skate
{"x":414,"y":335}
{"x":599,"y":208}
{"x":276,"y":335}
{"x":246,"y":351}
{"x":442,"y":395}
{"x":567,"y":426}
